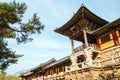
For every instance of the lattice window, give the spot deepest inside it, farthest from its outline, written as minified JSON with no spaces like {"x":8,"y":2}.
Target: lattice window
{"x":105,"y":38}
{"x":60,"y":68}
{"x":54,"y":70}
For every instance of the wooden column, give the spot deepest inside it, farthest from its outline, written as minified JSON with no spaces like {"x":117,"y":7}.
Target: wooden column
{"x":57,"y":69}
{"x":63,"y":68}
{"x":85,"y":38}
{"x":115,"y":37}
{"x":43,"y":74}
{"x":72,"y":44}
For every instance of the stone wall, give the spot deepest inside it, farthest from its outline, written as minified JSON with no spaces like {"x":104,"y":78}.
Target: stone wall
{"x":108,"y":67}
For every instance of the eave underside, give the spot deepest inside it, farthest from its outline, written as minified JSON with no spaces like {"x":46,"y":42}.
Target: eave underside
{"x":94,"y":22}
{"x":108,"y":27}
{"x":79,"y":37}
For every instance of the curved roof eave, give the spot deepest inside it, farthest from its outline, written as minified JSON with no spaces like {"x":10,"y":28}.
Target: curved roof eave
{"x":42,"y":64}
{"x":76,"y":17}
{"x":59,"y":61}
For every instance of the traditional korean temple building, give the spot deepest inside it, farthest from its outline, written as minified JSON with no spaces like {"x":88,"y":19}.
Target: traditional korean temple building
{"x":49,"y":70}
{"x":97,"y":59}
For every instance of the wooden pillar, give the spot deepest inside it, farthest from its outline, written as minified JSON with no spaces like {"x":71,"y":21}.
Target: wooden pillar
{"x":85,"y":38}
{"x":63,"y":68}
{"x":43,"y":74}
{"x":72,"y":44}
{"x":58,"y":70}
{"x":115,"y":38}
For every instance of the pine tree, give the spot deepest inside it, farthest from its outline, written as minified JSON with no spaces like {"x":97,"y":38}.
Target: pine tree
{"x":12,"y":26}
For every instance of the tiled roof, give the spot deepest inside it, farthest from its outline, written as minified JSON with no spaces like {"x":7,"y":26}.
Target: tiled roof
{"x":42,"y":64}
{"x":28,"y":74}
{"x":59,"y":61}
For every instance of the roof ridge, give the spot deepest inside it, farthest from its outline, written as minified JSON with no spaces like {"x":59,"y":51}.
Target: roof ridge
{"x":57,"y":61}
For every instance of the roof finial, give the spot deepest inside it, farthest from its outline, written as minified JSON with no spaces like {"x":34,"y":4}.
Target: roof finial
{"x":82,"y":4}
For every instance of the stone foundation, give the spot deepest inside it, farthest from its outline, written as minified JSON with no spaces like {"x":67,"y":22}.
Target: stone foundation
{"x":94,"y":74}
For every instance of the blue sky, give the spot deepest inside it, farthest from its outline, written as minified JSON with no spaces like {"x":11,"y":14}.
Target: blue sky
{"x":53,"y":14}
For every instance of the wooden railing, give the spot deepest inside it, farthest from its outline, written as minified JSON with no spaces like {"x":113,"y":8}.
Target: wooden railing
{"x":83,"y":47}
